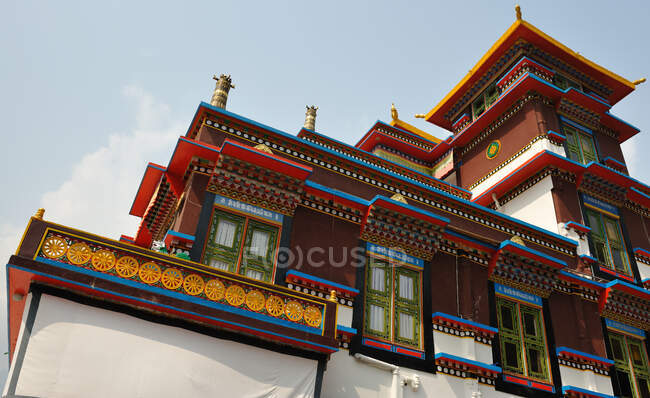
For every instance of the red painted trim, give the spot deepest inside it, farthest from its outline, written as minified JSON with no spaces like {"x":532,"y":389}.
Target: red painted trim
{"x":152,"y":174}
{"x":541,"y":386}
{"x":268,"y":161}
{"x":396,"y":207}
{"x":603,"y":299}
{"x":516,"y":380}
{"x":377,"y":344}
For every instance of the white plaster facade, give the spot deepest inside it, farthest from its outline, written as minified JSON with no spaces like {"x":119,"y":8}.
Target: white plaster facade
{"x":534,"y":206}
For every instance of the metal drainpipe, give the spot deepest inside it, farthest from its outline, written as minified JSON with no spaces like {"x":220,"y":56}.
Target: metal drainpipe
{"x":398,"y":380}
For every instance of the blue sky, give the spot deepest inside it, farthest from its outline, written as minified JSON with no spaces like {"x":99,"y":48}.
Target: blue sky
{"x":91,"y":91}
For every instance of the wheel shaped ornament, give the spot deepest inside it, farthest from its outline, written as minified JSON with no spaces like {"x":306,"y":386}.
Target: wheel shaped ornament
{"x":275,"y":306}
{"x":126,"y":266}
{"x":172,"y":278}
{"x":235,"y":295}
{"x":193,"y":284}
{"x":312,"y":316}
{"x":293,"y":310}
{"x":149,"y":273}
{"x":215,"y":290}
{"x":54,"y":247}
{"x":103,"y":260}
{"x":79,"y":253}
{"x":255,"y":300}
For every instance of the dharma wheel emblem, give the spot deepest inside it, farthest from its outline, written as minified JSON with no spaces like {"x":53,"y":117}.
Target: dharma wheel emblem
{"x":493,"y":149}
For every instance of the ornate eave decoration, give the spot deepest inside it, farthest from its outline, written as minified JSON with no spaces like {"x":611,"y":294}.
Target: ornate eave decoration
{"x":240,"y":180}
{"x":525,"y":269}
{"x":392,"y":224}
{"x":160,"y":210}
{"x":580,"y":114}
{"x":626,"y":303}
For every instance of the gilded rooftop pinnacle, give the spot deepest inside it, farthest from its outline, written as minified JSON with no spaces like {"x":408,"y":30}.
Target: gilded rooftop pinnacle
{"x":220,"y":95}
{"x":310,"y":118}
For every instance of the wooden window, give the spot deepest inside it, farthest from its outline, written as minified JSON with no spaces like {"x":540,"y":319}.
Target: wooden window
{"x":484,"y":101}
{"x":392,"y":308}
{"x":631,"y":365}
{"x":607,"y":241}
{"x":564,"y":82}
{"x":579,"y":145}
{"x":242,"y":245}
{"x":522,"y":339}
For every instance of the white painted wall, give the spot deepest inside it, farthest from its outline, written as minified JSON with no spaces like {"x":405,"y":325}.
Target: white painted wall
{"x":81,"y":351}
{"x":344,"y":315}
{"x":583,"y":243}
{"x":586,"y":379}
{"x":542,"y":145}
{"x":535,"y":206}
{"x":644,"y":270}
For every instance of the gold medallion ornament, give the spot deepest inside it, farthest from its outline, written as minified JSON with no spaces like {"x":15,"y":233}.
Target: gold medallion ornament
{"x":126,"y":266}
{"x":274,"y":306}
{"x":235,"y":295}
{"x":79,"y":253}
{"x":103,"y":260}
{"x":293,"y":310}
{"x":312,"y":316}
{"x":54,"y":247}
{"x":255,"y":300}
{"x":172,"y":278}
{"x":215,"y":290}
{"x":149,"y":273}
{"x":193,"y":284}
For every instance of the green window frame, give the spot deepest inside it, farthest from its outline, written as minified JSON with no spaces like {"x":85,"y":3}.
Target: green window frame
{"x":394,"y":292}
{"x":241,"y":245}
{"x":484,"y":101}
{"x":607,"y":241}
{"x":630,"y":364}
{"x":579,"y":145}
{"x":564,"y":82}
{"x":522,"y":340}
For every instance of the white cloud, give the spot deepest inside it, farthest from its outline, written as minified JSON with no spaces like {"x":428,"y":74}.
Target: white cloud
{"x":630,"y":152}
{"x":97,"y":196}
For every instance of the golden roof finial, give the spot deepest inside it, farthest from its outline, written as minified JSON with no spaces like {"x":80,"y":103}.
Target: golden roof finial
{"x":333,"y":296}
{"x":393,"y":112}
{"x":639,"y":81}
{"x":399,"y":198}
{"x":220,"y":95}
{"x":420,"y":115}
{"x":263,"y":148}
{"x":39,"y":213}
{"x":518,"y":12}
{"x":516,"y":239}
{"x":310,"y":118}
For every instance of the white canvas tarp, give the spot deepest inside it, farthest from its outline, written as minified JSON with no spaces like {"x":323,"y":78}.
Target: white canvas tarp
{"x":81,"y":351}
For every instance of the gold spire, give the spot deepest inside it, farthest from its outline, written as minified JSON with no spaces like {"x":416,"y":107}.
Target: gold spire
{"x":39,"y":213}
{"x":220,"y":95}
{"x":393,"y":112}
{"x":639,"y":81}
{"x":518,"y":12}
{"x":333,"y":296}
{"x":310,"y":118}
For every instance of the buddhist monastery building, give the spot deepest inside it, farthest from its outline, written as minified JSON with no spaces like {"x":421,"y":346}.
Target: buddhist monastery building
{"x":510,"y":259}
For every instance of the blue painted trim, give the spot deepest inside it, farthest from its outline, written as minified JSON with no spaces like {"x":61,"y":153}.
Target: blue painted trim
{"x":634,"y":287}
{"x":645,"y":252}
{"x":573,"y":225}
{"x":172,"y":308}
{"x":599,"y":204}
{"x":438,"y":191}
{"x":588,"y":257}
{"x":182,"y":297}
{"x":517,"y":64}
{"x":156,"y":167}
{"x":471,"y":239}
{"x":558,"y":350}
{"x":325,"y":281}
{"x":179,"y":234}
{"x":616,"y":172}
{"x":611,"y":159}
{"x":517,"y":294}
{"x":465,"y":321}
{"x":336,"y":192}
{"x":507,"y":243}
{"x":624,"y":328}
{"x":551,"y":132}
{"x":394,"y":254}
{"x":576,"y":125}
{"x":622,"y":121}
{"x":574,"y":276}
{"x":640,"y":193}
{"x":566,"y":389}
{"x":483,"y":365}
{"x":346,"y":329}
{"x":248,"y":208}
{"x":412,"y":208}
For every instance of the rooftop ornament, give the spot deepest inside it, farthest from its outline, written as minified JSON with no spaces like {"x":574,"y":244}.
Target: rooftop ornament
{"x":639,"y":81}
{"x":220,"y":95}
{"x":393,"y":112}
{"x":518,"y":12}
{"x":39,"y":213}
{"x":310,"y":118}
